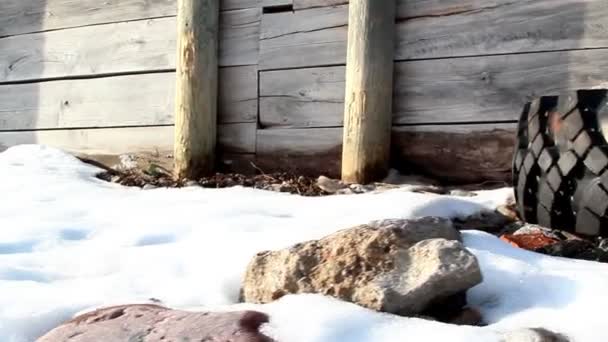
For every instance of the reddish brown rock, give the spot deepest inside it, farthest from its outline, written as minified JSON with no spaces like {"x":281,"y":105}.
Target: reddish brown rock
{"x":153,"y":323}
{"x":529,"y":241}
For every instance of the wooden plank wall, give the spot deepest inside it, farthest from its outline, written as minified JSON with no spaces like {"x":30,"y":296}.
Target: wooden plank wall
{"x":98,"y":77}
{"x":463,"y":70}
{"x":71,"y":74}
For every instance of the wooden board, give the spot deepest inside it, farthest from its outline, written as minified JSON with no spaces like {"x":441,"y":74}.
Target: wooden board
{"x":456,"y":153}
{"x":26,"y":16}
{"x":475,"y":89}
{"x":96,"y":141}
{"x":120,"y":48}
{"x":302,"y":97}
{"x":93,"y":50}
{"x":276,"y":3}
{"x":238,"y":94}
{"x":237,"y":137}
{"x":134,"y":100}
{"x":313,"y":151}
{"x":303,"y":38}
{"x":452,"y":153}
{"x":439,"y":29}
{"x":304,"y":4}
{"x":239,"y":37}
{"x":232,"y":138}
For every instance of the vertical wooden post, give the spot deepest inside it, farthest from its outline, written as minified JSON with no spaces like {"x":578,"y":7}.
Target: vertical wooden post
{"x":369,"y":90}
{"x":196,"y":88}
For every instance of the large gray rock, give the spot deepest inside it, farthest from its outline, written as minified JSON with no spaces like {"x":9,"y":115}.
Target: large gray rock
{"x":152,"y":323}
{"x":395,"y":266}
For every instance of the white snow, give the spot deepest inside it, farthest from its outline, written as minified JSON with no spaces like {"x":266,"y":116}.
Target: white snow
{"x":70,"y":242}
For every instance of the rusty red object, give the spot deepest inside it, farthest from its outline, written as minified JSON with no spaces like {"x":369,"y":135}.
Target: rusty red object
{"x":528,"y":241}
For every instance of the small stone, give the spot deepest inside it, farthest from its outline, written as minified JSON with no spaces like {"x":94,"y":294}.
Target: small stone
{"x":357,"y":188}
{"x":192,"y":183}
{"x":346,"y":191}
{"x":462,"y":193}
{"x":528,"y":229}
{"x":330,"y":185}
{"x":149,"y":187}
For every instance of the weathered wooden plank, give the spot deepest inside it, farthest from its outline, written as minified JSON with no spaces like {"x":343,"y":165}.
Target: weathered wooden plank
{"x":239,"y":4}
{"x":146,"y":99}
{"x":114,"y":101}
{"x":304,"y":38}
{"x":239,"y":36}
{"x":26,"y":16}
{"x":238,"y":94}
{"x":237,"y":137}
{"x":436,"y":29}
{"x":96,"y":141}
{"x":92,"y":50}
{"x":312,"y":151}
{"x":120,"y":48}
{"x":452,"y":153}
{"x":456,"y":153}
{"x":302,"y":97}
{"x":491,"y":88}
{"x":276,"y":3}
{"x":409,"y":8}
{"x":232,"y":138}
{"x":304,"y":4}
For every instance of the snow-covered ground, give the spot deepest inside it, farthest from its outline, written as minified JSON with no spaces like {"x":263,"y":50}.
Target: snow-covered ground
{"x":69,"y":242}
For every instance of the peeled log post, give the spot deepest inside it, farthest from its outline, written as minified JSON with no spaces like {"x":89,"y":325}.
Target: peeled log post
{"x":369,"y":90}
{"x":196,"y":88}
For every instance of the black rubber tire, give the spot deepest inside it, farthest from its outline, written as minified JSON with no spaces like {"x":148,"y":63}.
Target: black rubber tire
{"x":560,"y":162}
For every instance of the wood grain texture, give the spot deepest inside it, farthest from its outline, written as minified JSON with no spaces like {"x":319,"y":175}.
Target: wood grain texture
{"x":304,"y":38}
{"x":196,"y":89}
{"x":440,"y":29}
{"x":240,"y":37}
{"x":116,"y":101}
{"x":146,"y":99}
{"x":275,"y":3}
{"x":304,"y":4}
{"x":456,"y":153}
{"x":120,"y":48}
{"x":451,"y":153}
{"x":238,"y":94}
{"x":96,"y":141}
{"x":473,"y":89}
{"x":27,"y":16}
{"x":94,"y":50}
{"x":312,"y":151}
{"x":369,"y":90}
{"x":237,"y":137}
{"x":232,"y":138}
{"x":302,"y":97}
